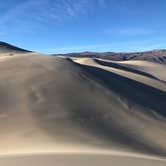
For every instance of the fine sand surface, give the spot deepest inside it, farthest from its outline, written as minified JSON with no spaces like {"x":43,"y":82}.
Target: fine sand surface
{"x":98,"y":112}
{"x":77,"y":160}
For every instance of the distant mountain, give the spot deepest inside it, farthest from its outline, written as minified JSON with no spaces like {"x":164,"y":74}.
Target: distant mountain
{"x":158,"y":55}
{"x":7,"y":48}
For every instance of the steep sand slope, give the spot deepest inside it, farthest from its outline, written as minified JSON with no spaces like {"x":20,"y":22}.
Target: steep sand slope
{"x":52,"y":104}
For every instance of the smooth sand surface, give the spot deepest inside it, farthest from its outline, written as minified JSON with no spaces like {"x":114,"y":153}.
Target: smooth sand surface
{"x":77,"y":160}
{"x":53,"y":104}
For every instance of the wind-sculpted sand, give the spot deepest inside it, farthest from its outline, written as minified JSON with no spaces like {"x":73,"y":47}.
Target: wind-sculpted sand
{"x":81,"y":111}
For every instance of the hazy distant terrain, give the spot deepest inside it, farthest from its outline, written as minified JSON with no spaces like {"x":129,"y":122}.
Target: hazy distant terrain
{"x":158,"y":55}
{"x":82,"y":109}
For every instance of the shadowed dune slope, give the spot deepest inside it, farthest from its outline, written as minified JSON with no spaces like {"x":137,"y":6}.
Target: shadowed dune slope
{"x":122,"y":67}
{"x":53,"y":104}
{"x":157,"y":70}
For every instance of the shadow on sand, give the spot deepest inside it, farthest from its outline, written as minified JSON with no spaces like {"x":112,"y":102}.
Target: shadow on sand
{"x":133,"y":91}
{"x":128,"y":69}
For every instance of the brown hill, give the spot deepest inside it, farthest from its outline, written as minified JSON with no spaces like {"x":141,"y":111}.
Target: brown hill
{"x":158,"y":56}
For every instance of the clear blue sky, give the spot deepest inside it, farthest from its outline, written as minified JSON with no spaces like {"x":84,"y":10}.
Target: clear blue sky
{"x":60,"y":26}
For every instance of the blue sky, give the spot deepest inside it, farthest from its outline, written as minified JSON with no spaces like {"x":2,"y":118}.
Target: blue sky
{"x":60,"y":26}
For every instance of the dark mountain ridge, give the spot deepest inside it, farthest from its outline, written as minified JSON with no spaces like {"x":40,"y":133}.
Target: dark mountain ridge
{"x":157,"y":55}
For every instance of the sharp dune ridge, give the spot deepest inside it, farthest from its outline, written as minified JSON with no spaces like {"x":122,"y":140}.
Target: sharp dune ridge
{"x":121,"y":67}
{"x":10,"y":49}
{"x":51,"y":104}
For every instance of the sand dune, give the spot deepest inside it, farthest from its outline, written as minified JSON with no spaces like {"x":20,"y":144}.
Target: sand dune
{"x":153,"y":78}
{"x":56,"y":105}
{"x":10,"y":50}
{"x":148,"y":67}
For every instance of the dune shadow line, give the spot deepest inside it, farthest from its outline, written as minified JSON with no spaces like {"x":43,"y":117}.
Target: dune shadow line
{"x":136,"y":92}
{"x":118,"y":66}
